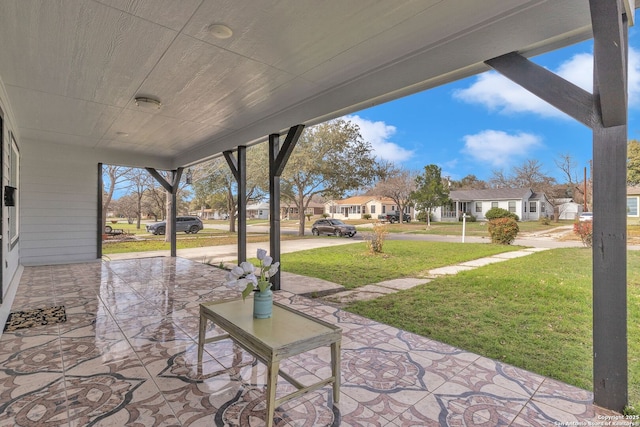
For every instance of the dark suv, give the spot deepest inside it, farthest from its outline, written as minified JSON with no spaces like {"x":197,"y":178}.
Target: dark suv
{"x":188,"y":224}
{"x":332,"y":226}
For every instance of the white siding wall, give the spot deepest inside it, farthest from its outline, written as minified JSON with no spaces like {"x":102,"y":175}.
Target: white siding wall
{"x":11,"y":263}
{"x":58,"y":204}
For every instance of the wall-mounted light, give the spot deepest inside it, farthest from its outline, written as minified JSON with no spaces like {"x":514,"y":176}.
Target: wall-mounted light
{"x":147,"y":102}
{"x":189,"y":177}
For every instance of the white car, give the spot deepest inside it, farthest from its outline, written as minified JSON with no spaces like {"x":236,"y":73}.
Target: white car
{"x":585,"y":216}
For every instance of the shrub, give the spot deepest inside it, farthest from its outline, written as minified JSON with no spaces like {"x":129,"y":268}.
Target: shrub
{"x":422,"y":216}
{"x":470,"y":218}
{"x":495,"y":213}
{"x":366,"y":216}
{"x":325,"y":215}
{"x":545,"y":220}
{"x":503,"y":230}
{"x":375,"y":240}
{"x":585,"y":231}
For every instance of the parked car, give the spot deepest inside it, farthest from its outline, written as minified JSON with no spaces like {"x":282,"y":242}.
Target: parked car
{"x":585,"y":216}
{"x":188,"y":224}
{"x":394,"y":216}
{"x":332,"y":226}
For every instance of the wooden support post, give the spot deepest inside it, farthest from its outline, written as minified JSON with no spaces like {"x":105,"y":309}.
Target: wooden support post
{"x":610,"y":267}
{"x":172,"y":189}
{"x":274,"y":207}
{"x":239,"y":170}
{"x":605,"y":112}
{"x":278,"y":158}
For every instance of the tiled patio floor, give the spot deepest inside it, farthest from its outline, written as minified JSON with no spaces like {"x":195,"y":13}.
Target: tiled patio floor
{"x":127,"y":356}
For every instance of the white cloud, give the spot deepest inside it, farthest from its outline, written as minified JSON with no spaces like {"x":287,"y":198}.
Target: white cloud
{"x":498,"y":93}
{"x":378,"y":135}
{"x":499,"y":148}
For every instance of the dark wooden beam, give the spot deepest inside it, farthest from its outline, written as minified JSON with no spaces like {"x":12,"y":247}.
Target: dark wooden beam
{"x":238,"y":168}
{"x":609,"y":46}
{"x":101,"y":226}
{"x":287,"y":148}
{"x":160,"y":179}
{"x":609,"y":253}
{"x":562,"y":94}
{"x":274,"y":206}
{"x":278,"y":157}
{"x":233,"y":164}
{"x":172,"y":188}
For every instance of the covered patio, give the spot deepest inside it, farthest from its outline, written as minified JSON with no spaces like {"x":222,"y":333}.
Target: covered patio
{"x":165,"y":85}
{"x":127,"y":355}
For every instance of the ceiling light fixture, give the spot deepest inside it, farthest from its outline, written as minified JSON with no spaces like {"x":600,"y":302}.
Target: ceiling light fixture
{"x":145,"y":101}
{"x":220,"y":31}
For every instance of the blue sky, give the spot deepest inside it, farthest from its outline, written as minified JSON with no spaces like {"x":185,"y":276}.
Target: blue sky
{"x":485,"y":123}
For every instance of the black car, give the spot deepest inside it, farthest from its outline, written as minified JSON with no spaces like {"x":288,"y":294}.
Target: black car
{"x":188,"y":224}
{"x":334,"y":227}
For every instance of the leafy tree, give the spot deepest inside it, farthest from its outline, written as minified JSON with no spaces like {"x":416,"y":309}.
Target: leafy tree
{"x":329,"y":159}
{"x":215,"y":185}
{"x":431,"y":190}
{"x":126,"y":206}
{"x":398,"y":185}
{"x":633,"y":163}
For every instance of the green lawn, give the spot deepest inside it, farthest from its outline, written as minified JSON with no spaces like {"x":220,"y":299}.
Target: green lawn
{"x":353,"y":266}
{"x":532,"y":312}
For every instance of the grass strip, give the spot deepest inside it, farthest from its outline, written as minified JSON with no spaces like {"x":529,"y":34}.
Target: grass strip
{"x":353,"y":266}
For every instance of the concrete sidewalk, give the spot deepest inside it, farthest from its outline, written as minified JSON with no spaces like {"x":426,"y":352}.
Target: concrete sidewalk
{"x":377,"y":290}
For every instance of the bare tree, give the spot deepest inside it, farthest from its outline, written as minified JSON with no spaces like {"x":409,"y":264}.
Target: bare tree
{"x":140,"y":183}
{"x":469,"y":182}
{"x":113,"y":178}
{"x":398,"y":185}
{"x":527,"y":175}
{"x":568,"y":167}
{"x":499,"y":179}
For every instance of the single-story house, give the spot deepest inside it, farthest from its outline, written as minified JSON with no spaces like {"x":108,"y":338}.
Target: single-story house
{"x":290,"y":211}
{"x":633,"y":202}
{"x":524,"y":202}
{"x":258,"y":211}
{"x":358,"y":206}
{"x":209,"y":214}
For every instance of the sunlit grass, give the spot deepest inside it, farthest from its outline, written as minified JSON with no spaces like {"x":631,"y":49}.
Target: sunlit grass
{"x":532,"y":312}
{"x":353,"y":266}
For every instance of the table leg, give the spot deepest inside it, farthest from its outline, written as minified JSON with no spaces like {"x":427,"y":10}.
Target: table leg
{"x":335,"y":370}
{"x":201,"y":337}
{"x":272,"y":384}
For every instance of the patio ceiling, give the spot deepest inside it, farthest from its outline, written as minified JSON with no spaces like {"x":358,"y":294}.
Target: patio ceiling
{"x":72,"y":68}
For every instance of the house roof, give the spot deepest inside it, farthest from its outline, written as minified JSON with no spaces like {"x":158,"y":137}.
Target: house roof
{"x":633,"y":191}
{"x":491,"y":194}
{"x":73,"y":68}
{"x":361,"y":200}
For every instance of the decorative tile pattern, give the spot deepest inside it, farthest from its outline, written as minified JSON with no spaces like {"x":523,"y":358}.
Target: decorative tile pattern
{"x":127,"y":355}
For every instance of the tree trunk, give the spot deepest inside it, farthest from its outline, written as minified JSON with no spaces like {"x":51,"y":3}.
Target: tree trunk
{"x":168,"y":228}
{"x":300,"y":205}
{"x":139,"y":213}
